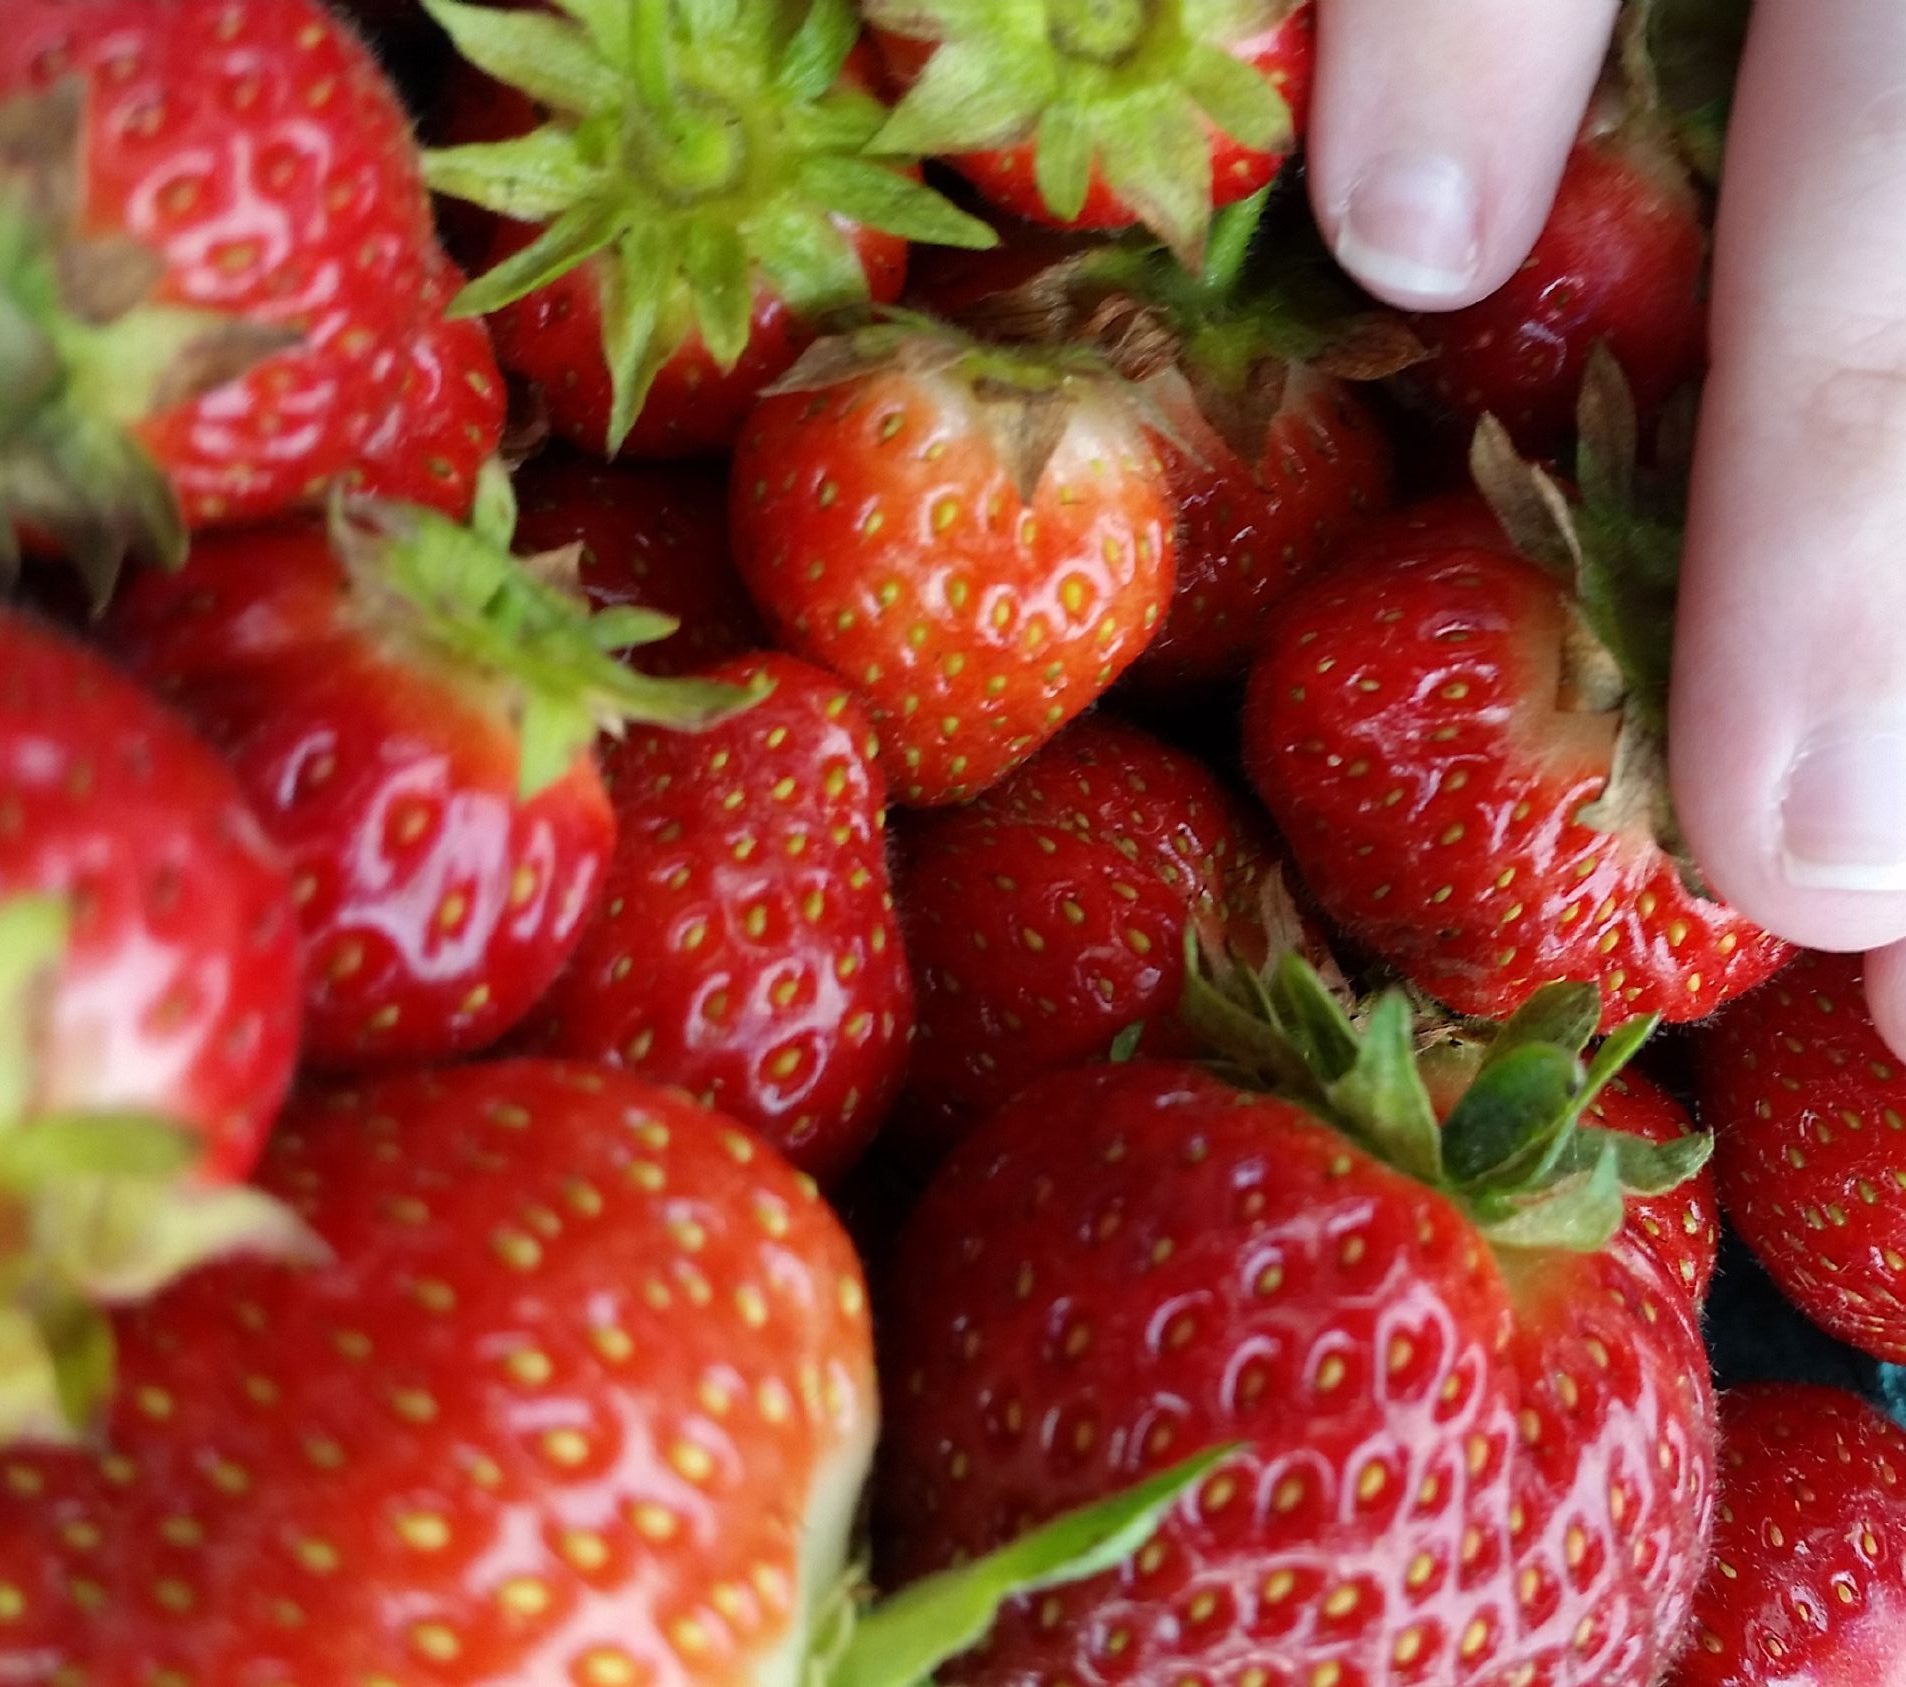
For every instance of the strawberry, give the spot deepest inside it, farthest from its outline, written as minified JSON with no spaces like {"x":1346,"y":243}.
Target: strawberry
{"x":1049,"y":918}
{"x":1464,"y":755}
{"x":975,"y":538}
{"x":1807,"y":1102}
{"x":1620,"y":263}
{"x":585,"y":1394}
{"x":178,"y":994}
{"x":410,"y":711}
{"x":1271,"y":459}
{"x":229,"y":292}
{"x":745,"y":947}
{"x":148,"y":1015}
{"x":1086,"y":115}
{"x":1806,"y":1583}
{"x":652,"y":538}
{"x":1473,"y":1421}
{"x":702,"y":195}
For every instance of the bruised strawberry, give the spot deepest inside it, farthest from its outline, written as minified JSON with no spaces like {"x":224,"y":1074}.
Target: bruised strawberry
{"x":976,"y":539}
{"x":411,"y":711}
{"x":652,"y":538}
{"x":745,"y":947}
{"x":1808,"y":1578}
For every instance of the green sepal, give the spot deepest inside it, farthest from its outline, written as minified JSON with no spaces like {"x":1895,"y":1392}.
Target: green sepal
{"x":900,"y":1642}
{"x":86,"y":354}
{"x":1127,"y":89}
{"x":1513,"y":1150}
{"x":697,"y":151}
{"x":98,"y":1209}
{"x":521,"y":634}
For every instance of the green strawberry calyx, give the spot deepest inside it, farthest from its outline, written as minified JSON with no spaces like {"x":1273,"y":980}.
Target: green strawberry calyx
{"x":86,"y":354}
{"x":1513,"y":1151}
{"x":98,"y":1209}
{"x":901,"y":1640}
{"x":1129,"y":88}
{"x":701,"y":150}
{"x":1617,"y":545}
{"x":518,"y":629}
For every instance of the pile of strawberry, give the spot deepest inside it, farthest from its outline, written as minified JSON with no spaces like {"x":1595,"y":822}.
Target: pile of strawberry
{"x":468,"y":1009}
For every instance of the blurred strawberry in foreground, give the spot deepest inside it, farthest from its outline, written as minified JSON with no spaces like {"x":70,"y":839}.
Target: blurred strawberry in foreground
{"x":652,"y":538}
{"x":1091,"y":115}
{"x":226,"y":290}
{"x":975,"y":538}
{"x":587,"y":1389}
{"x":1807,"y":1583}
{"x":1464,"y":748}
{"x":1620,"y":263}
{"x":1474,"y":1426}
{"x":148,"y":1015}
{"x":1048,"y":920}
{"x":701,"y":197}
{"x":412,"y":712}
{"x":1808,"y":1105}
{"x":585,"y":1395}
{"x":745,"y":947}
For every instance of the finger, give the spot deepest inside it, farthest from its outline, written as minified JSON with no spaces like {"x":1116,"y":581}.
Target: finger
{"x":1885,"y":973}
{"x":1439,"y":132}
{"x":1789,"y":707}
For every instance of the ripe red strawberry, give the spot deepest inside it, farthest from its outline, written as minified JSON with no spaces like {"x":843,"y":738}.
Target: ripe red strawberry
{"x":976,"y":539}
{"x":223,"y":247}
{"x":1248,"y":530}
{"x":1050,"y":917}
{"x":1808,"y":1578}
{"x":178,"y":994}
{"x":652,"y":538}
{"x":1093,"y":116}
{"x":1465,"y":1458}
{"x":745,"y":948}
{"x":1807,"y":1103}
{"x":1620,"y":263}
{"x":586,"y":1369}
{"x":411,"y":713}
{"x":1464,"y":758}
{"x":702,"y":195}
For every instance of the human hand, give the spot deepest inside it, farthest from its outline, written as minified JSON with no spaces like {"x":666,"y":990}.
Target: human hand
{"x":1439,"y":133}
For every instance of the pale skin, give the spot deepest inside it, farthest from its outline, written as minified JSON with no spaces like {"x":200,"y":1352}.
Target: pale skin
{"x":1439,"y":132}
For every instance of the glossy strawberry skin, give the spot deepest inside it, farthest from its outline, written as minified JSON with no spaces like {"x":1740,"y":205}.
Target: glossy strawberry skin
{"x":1807,"y":1104}
{"x":1283,"y":52}
{"x":1453,"y":1472}
{"x":746,"y":948}
{"x":179,"y":995}
{"x":1049,"y":916}
{"x":1247,"y":532}
{"x":1808,"y":1578}
{"x":654,"y":538}
{"x":436,"y":904}
{"x":1620,"y":262}
{"x":880,"y":531}
{"x":1399,"y":725}
{"x":257,"y":148}
{"x":584,"y":1361}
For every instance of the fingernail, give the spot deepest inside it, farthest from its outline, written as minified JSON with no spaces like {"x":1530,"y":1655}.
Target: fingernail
{"x":1412,"y":228}
{"x":1843,"y":818}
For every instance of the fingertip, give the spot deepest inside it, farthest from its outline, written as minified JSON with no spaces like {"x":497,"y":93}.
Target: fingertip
{"x":1885,"y":975}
